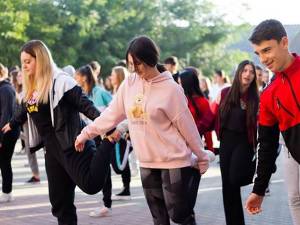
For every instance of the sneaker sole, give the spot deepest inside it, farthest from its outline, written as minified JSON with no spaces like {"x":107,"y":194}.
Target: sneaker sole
{"x":10,"y":200}
{"x":99,"y":216}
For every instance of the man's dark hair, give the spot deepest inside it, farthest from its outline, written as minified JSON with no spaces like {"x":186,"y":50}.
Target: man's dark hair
{"x":171,"y":60}
{"x":268,"y":30}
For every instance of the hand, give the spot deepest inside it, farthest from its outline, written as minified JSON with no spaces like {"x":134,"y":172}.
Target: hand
{"x":253,"y":203}
{"x":6,"y":128}
{"x":115,"y":136}
{"x":203,"y":166}
{"x":79,"y":145}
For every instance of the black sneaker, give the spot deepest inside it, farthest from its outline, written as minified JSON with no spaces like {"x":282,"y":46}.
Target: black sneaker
{"x":123,"y":195}
{"x":33,"y":180}
{"x":267,"y":193}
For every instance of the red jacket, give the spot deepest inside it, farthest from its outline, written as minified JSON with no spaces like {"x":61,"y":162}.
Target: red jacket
{"x":205,"y":120}
{"x":279,"y":110}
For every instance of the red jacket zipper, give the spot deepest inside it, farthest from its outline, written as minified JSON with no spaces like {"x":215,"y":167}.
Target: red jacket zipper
{"x":292,"y":90}
{"x":279,"y":105}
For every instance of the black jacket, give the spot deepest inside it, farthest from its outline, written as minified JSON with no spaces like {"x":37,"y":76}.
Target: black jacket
{"x":66,"y":102}
{"x":7,"y":104}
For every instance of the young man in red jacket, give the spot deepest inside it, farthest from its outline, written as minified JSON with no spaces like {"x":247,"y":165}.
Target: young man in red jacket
{"x":279,"y":108}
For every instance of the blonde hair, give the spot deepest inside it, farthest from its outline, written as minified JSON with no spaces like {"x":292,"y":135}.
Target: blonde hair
{"x":3,"y":72}
{"x":121,"y":73}
{"x":41,"y":81}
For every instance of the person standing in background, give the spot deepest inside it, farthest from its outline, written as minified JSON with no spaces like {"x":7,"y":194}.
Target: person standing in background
{"x":237,"y":121}
{"x":7,"y":140}
{"x":218,"y":85}
{"x":171,"y":64}
{"x":17,"y":80}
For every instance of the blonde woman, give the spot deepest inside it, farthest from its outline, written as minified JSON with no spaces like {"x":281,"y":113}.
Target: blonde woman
{"x":52,"y":100}
{"x":8,"y":140}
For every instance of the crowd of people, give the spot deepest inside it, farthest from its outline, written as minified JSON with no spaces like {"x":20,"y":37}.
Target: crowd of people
{"x":160,"y":116}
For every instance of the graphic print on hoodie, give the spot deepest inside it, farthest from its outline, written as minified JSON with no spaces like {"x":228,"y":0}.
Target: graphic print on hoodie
{"x":136,"y":113}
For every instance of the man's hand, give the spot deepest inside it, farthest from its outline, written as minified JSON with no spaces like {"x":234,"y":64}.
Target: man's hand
{"x":253,"y":203}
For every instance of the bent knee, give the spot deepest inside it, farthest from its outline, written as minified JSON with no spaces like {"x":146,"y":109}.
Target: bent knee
{"x":91,"y":190}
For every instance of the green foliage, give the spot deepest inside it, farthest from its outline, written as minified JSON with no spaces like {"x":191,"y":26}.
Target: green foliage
{"x":79,"y":31}
{"x":13,"y":22}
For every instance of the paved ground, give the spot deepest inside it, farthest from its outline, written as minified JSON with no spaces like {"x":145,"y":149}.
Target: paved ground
{"x":31,"y":205}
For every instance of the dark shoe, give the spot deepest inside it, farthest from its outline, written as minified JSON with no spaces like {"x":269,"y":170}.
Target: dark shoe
{"x":267,"y":193}
{"x":33,"y":180}
{"x":190,"y":220}
{"x":123,"y":195}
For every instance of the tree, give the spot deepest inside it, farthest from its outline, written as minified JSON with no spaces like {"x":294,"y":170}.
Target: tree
{"x":14,"y":20}
{"x":79,"y":31}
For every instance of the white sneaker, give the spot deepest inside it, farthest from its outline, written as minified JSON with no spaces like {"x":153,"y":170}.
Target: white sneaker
{"x":101,"y":212}
{"x":6,"y":198}
{"x":120,"y":197}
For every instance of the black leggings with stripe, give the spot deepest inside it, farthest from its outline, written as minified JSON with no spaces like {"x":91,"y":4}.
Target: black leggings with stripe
{"x":171,"y":194}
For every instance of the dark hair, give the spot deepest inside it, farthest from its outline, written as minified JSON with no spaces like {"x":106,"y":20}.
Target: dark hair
{"x":161,"y":68}
{"x":13,"y":68}
{"x":95,"y":65}
{"x":14,"y":75}
{"x":108,"y":88}
{"x":191,"y":85}
{"x":268,"y":30}
{"x":171,"y":60}
{"x":86,"y":71}
{"x":143,"y":49}
{"x":220,"y":73}
{"x":233,"y":97}
{"x":122,"y":63}
{"x":257,"y":67}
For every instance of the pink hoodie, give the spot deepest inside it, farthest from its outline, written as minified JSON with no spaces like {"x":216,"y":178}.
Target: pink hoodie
{"x":162,"y":129}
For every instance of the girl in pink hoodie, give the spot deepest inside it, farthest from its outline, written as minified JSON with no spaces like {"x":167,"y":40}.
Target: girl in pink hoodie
{"x":162,"y":131}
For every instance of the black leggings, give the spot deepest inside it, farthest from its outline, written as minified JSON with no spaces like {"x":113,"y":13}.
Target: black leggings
{"x":68,"y":168}
{"x":237,"y":167}
{"x":6,"y":152}
{"x":171,"y":193}
{"x":125,"y":174}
